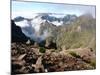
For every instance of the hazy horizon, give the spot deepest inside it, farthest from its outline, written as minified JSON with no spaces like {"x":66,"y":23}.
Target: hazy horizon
{"x":28,"y":9}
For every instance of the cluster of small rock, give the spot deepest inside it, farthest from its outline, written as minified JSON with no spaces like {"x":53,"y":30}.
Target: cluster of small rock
{"x":55,"y":62}
{"x":28,"y":59}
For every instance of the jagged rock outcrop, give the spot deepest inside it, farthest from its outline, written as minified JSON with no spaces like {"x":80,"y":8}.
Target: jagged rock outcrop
{"x":28,"y":59}
{"x":16,"y":33}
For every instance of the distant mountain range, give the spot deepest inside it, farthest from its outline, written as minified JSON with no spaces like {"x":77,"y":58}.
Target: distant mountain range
{"x":49,"y":17}
{"x":64,"y":30}
{"x":42,"y":24}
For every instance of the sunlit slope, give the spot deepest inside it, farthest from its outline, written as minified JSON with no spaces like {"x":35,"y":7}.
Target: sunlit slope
{"x":81,"y":33}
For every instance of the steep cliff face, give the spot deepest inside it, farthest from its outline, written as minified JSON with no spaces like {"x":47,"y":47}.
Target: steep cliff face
{"x":17,"y":34}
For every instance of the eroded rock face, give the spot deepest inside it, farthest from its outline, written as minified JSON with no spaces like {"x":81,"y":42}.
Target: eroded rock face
{"x":27,"y":59}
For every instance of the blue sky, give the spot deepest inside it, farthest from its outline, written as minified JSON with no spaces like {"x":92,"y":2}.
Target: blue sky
{"x":29,"y":8}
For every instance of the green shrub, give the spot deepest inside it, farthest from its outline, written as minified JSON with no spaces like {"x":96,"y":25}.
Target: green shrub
{"x":93,"y":63}
{"x":74,"y":54}
{"x":42,"y":49}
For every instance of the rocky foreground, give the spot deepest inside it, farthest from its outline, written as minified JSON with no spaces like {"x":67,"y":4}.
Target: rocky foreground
{"x":28,"y":59}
